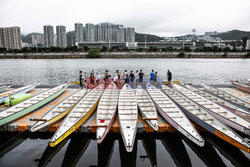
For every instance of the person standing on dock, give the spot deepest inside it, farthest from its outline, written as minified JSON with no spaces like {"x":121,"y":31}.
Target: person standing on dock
{"x":152,"y":76}
{"x":106,"y":75}
{"x":132,"y":76}
{"x":137,"y":76}
{"x":169,"y":76}
{"x":126,"y":79}
{"x":97,"y":78}
{"x":81,"y":80}
{"x":92,"y":78}
{"x":141,"y":75}
{"x":125,"y":73}
{"x":118,"y":74}
{"x":155,"y":76}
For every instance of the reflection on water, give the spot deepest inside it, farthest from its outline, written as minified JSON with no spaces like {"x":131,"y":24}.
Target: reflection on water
{"x":75,"y":149}
{"x":207,"y":153}
{"x":73,"y":152}
{"x":57,"y":71}
{"x":49,"y":153}
{"x":105,"y":151}
{"x":176,"y":149}
{"x":149,"y":144}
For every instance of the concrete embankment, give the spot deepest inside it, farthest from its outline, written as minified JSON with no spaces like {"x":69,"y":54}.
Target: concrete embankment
{"x":79,"y":55}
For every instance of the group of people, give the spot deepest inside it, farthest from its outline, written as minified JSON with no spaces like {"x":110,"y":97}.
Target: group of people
{"x":138,"y":76}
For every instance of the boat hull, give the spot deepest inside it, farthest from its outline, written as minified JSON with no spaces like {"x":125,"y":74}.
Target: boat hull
{"x":27,"y":110}
{"x":76,"y":126}
{"x":244,"y":88}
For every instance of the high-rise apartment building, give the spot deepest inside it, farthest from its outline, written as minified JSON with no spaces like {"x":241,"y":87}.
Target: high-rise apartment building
{"x":61,"y":40}
{"x":90,"y":32}
{"x":130,"y":35}
{"x":119,"y":35}
{"x":106,"y":32}
{"x":48,"y":35}
{"x":98,"y":33}
{"x":78,"y":32}
{"x":10,"y":37}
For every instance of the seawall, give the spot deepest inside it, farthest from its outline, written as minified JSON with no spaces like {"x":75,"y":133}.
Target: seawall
{"x":81,"y":55}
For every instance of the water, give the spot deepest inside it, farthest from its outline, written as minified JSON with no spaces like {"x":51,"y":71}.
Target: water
{"x":163,"y":150}
{"x":149,"y":150}
{"x":57,"y":71}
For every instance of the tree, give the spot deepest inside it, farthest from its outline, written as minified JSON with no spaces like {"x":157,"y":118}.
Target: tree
{"x":181,"y":55}
{"x":226,"y":49}
{"x":153,"y":49}
{"x":86,"y":48}
{"x":187,"y":49}
{"x":139,"y":49}
{"x":104,"y":49}
{"x":3,"y":50}
{"x":93,"y":53}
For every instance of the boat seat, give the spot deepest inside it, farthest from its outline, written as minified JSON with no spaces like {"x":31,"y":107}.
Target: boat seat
{"x":150,"y":118}
{"x":207,"y":119}
{"x":200,"y":114}
{"x":123,"y":119}
{"x":74,"y":117}
{"x":177,"y":117}
{"x":172,"y":111}
{"x":58,"y":111}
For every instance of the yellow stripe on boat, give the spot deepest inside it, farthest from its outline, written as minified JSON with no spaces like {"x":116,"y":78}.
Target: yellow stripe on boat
{"x":77,"y":125}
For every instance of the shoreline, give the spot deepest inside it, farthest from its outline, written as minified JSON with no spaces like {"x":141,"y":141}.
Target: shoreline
{"x":83,"y":55}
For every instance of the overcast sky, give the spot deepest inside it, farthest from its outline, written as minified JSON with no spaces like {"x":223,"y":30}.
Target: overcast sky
{"x":160,"y":17}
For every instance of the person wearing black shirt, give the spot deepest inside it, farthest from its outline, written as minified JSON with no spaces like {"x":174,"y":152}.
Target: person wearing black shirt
{"x":141,"y":75}
{"x":132,"y":76}
{"x":81,"y":80}
{"x":169,"y":76}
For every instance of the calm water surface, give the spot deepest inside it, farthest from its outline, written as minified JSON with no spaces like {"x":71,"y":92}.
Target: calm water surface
{"x":56,"y":71}
{"x":149,"y":150}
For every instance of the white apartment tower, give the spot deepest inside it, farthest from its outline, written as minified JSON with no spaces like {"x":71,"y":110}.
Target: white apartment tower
{"x":130,"y":35}
{"x":48,"y":35}
{"x":61,"y":40}
{"x":10,"y":37}
{"x":90,"y":32}
{"x":78,"y":32}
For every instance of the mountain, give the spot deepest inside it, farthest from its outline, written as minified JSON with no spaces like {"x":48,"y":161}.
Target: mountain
{"x":150,"y":38}
{"x":28,"y":38}
{"x":233,"y":35}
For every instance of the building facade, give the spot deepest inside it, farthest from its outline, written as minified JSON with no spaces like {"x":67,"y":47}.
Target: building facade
{"x":49,"y":39}
{"x":90,"y":32}
{"x":37,"y":39}
{"x":10,"y":37}
{"x":104,"y":32}
{"x":78,"y":32}
{"x":130,"y":35}
{"x":61,"y":40}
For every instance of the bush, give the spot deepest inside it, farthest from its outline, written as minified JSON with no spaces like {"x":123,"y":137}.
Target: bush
{"x":153,"y":49}
{"x":247,"y":55}
{"x":181,"y":55}
{"x":93,"y":53}
{"x":224,"y":55}
{"x":104,"y":49}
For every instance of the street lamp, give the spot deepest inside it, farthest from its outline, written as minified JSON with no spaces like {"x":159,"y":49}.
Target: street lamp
{"x":193,"y":30}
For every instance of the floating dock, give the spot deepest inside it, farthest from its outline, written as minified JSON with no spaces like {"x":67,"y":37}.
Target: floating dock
{"x":89,"y":126}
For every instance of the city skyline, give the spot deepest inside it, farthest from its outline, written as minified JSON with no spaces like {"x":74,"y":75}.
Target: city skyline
{"x":163,"y":18}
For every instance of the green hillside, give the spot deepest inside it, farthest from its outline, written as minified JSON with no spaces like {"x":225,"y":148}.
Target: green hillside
{"x":150,"y":38}
{"x":28,"y":38}
{"x":233,"y":35}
